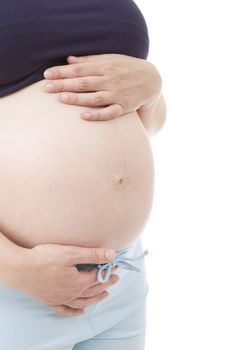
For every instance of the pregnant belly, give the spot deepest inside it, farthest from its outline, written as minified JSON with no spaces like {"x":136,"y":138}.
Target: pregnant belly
{"x":68,"y":181}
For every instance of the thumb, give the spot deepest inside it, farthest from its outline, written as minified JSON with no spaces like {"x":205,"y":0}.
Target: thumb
{"x":81,"y":255}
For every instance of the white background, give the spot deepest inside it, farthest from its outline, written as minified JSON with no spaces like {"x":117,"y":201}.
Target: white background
{"x":189,"y":233}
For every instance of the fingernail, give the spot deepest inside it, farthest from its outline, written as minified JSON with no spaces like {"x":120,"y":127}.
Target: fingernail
{"x":110,"y":254}
{"x":48,"y":74}
{"x":64,"y":97}
{"x":50,"y":87}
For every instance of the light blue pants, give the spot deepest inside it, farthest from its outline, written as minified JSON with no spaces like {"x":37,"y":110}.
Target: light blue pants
{"x":115,"y":323}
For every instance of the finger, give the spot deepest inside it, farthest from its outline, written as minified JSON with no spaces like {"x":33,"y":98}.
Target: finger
{"x":91,"y":99}
{"x":74,"y":70}
{"x":65,"y":310}
{"x":89,"y":279}
{"x":85,"y":84}
{"x":82,"y":255}
{"x":110,"y":112}
{"x":90,"y":58}
{"x":100,"y":287}
{"x":82,"y":303}
{"x":114,"y":57}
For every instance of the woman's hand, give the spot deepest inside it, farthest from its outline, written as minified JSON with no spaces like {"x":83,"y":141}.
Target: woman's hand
{"x":47,"y":272}
{"x":117,"y":84}
{"x":55,"y":280}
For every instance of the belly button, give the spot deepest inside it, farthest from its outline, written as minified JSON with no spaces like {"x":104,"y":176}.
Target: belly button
{"x":121,"y":182}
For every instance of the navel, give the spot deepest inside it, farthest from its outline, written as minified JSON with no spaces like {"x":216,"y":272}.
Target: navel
{"x":121,"y":182}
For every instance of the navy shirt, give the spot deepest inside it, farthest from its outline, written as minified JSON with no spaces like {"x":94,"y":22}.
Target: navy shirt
{"x":38,"y":34}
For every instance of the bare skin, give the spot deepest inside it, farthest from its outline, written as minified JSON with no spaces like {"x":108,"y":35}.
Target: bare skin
{"x":47,"y":272}
{"x":45,"y":258}
{"x":116,"y":84}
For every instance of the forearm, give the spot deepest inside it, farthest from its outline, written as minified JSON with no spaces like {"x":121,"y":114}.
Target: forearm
{"x":11,"y":259}
{"x":153,"y":116}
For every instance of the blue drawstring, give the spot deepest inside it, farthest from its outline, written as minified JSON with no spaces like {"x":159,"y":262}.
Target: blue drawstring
{"x":121,"y":261}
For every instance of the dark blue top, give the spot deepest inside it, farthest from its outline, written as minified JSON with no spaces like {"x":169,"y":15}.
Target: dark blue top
{"x":35,"y":35}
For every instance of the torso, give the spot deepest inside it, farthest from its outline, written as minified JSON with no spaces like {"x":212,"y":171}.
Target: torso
{"x":69,"y":181}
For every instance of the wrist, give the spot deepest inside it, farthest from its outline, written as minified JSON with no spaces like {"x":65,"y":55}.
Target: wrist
{"x":152,"y":103}
{"x":153,"y":115}
{"x":13,"y":259}
{"x":153,"y":86}
{"x":146,"y":112}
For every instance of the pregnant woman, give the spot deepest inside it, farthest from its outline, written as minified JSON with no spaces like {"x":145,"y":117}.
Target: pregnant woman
{"x":67,"y":182}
